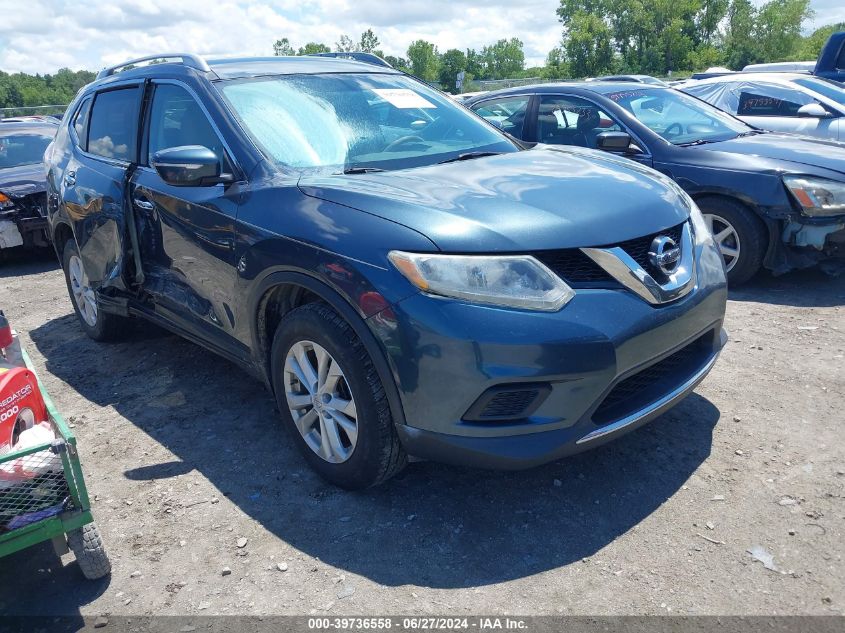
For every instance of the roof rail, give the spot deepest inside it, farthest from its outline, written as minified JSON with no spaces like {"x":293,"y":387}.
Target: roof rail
{"x":367,"y":58}
{"x":187,"y":59}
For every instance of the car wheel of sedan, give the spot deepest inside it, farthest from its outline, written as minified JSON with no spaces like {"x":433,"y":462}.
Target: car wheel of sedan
{"x":97,"y":324}
{"x":332,"y":401}
{"x":740,"y":236}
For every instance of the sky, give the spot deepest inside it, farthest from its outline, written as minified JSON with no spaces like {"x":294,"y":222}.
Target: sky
{"x":45,"y":35}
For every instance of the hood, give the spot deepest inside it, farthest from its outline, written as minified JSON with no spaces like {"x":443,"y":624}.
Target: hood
{"x":538,"y":199}
{"x":23,"y":180}
{"x":784,"y":152}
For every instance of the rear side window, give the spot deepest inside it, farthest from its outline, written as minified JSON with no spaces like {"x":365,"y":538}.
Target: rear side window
{"x":113,"y":125}
{"x":80,"y":124}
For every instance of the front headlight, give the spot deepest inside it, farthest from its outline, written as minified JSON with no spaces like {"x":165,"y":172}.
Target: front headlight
{"x":516,"y":281}
{"x":5,"y":202}
{"x":817,"y":196}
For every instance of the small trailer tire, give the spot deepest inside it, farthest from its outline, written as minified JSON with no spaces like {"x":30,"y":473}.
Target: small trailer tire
{"x":87,"y":546}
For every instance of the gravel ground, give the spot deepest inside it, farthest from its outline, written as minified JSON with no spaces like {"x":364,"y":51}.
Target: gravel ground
{"x":185,"y":461}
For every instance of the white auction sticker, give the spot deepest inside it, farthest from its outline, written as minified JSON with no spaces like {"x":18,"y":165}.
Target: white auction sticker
{"x":403,"y":98}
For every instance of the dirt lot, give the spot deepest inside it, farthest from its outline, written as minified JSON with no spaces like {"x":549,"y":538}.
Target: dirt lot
{"x":184,"y":456}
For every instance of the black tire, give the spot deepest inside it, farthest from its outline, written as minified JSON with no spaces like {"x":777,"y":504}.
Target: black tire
{"x":377,"y":455}
{"x":87,"y":547}
{"x":751,"y":233}
{"x":107,"y":327}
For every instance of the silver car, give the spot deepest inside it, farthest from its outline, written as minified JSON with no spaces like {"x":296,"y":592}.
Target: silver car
{"x":782,"y":102}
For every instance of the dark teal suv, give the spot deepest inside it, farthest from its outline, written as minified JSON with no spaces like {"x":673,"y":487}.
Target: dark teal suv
{"x":405,"y":278}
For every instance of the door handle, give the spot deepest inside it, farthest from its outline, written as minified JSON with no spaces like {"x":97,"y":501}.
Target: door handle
{"x":142,"y":203}
{"x":70,"y":178}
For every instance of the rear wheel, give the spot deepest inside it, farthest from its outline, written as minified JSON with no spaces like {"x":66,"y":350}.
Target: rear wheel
{"x":97,"y":324}
{"x":740,"y":236}
{"x":332,"y":401}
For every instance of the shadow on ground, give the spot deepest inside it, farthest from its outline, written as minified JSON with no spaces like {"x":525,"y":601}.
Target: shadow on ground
{"x":810,"y":288}
{"x":17,"y":262}
{"x":434,"y":525}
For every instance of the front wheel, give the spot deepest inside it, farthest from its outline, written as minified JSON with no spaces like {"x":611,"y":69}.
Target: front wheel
{"x":332,"y":400}
{"x":87,"y":547}
{"x":740,"y":236}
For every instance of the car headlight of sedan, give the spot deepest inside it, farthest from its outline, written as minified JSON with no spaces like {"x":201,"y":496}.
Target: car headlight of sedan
{"x":817,"y":196}
{"x":515,"y":281}
{"x":6,"y":202}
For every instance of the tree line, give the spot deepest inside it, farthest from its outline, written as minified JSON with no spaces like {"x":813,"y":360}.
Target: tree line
{"x":655,"y":37}
{"x":597,"y":37}
{"x":21,"y":90}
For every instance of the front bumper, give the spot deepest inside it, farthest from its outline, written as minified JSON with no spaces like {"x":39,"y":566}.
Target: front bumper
{"x":525,"y":451}
{"x":446,"y":356}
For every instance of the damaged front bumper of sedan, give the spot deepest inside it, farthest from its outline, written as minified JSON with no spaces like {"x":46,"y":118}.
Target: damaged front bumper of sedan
{"x":805,"y":243}
{"x":23,"y":218}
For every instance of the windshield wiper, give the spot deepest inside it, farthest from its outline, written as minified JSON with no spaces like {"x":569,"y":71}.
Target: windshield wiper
{"x":468,"y":156}
{"x":750,"y":133}
{"x":361,"y":170}
{"x":698,"y":141}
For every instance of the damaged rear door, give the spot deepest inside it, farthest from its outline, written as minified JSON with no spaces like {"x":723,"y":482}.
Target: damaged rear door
{"x":93,"y":188}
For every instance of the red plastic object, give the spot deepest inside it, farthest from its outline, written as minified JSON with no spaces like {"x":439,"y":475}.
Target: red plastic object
{"x":5,"y":332}
{"x":21,"y":405}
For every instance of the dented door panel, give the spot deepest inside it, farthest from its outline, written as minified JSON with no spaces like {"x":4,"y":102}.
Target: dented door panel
{"x":93,"y":198}
{"x":186,"y":238}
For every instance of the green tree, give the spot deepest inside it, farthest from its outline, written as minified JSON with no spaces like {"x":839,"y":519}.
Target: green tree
{"x":345,"y":44}
{"x":422,"y":56}
{"x":503,"y":59}
{"x":811,"y":46}
{"x":369,"y":42}
{"x":399,"y":63}
{"x":556,"y":66}
{"x":740,"y":46}
{"x":452,"y":62}
{"x":282,"y":47}
{"x":475,"y":64}
{"x":778,"y":28}
{"x":311,"y":48}
{"x":587,"y":46}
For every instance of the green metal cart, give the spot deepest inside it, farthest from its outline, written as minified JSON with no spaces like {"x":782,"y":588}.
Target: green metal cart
{"x":54,"y":505}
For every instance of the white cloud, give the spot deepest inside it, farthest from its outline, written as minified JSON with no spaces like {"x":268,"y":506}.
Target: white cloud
{"x":43,"y":35}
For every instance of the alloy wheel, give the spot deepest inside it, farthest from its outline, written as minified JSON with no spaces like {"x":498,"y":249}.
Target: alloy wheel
{"x":726,"y":237}
{"x":320,"y":401}
{"x":83,"y":294}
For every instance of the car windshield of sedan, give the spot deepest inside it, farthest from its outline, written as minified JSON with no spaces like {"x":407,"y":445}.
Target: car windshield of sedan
{"x":365,"y":121}
{"x":22,"y":149}
{"x":679,"y":118}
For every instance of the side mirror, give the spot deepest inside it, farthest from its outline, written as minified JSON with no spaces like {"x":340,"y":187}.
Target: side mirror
{"x":187,"y":166}
{"x":813,"y":111}
{"x":613,"y":141}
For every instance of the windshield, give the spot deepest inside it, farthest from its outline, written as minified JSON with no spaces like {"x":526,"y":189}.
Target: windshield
{"x":677,"y":117}
{"x":347,"y":121}
{"x":833,"y":90}
{"x":23,"y":148}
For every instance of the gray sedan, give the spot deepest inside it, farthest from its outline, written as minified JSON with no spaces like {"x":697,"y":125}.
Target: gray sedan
{"x":782,"y":102}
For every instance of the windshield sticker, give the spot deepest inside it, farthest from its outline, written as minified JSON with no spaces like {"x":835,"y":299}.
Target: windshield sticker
{"x":628,"y":94}
{"x":403,"y":98}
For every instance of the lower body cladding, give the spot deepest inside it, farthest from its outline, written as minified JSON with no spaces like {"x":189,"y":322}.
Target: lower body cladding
{"x":507,"y":389}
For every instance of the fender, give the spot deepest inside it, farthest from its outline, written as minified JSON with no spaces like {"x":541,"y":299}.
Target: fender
{"x":343,"y":307}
